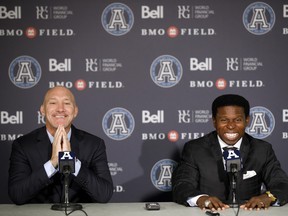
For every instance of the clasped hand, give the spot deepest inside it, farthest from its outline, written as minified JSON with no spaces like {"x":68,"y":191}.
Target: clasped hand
{"x":61,"y":143}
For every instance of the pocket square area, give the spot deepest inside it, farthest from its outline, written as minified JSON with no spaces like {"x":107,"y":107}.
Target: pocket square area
{"x":249,"y":174}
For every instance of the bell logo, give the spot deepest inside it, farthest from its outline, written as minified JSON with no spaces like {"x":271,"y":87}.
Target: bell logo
{"x":12,"y":119}
{"x":12,"y":14}
{"x":158,"y":13}
{"x":156,"y":118}
{"x":62,"y":66}
{"x":195,"y":65}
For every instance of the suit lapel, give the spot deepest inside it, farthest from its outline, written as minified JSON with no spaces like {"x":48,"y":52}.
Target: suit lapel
{"x":244,"y":149}
{"x":75,"y":140}
{"x":44,"y":146}
{"x":217,"y":152}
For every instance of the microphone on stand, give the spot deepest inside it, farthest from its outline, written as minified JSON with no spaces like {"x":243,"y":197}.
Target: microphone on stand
{"x":66,"y":167}
{"x":233,"y":164}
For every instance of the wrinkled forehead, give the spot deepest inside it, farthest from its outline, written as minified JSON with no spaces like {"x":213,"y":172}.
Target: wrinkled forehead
{"x":59,"y":93}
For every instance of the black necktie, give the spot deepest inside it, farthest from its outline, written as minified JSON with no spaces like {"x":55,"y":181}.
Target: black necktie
{"x":229,"y":148}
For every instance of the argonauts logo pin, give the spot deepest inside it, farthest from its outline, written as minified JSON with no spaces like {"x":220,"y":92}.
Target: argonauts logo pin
{"x":161,"y":174}
{"x":259,"y":18}
{"x":25,"y":72}
{"x":118,"y":123}
{"x":117,"y":19}
{"x":262,"y":122}
{"x":166,"y":71}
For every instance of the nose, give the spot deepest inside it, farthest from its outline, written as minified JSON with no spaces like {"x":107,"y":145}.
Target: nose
{"x":230,"y":125}
{"x":60,"y":107}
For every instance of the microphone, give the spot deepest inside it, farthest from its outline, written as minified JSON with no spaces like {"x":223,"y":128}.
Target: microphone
{"x":66,"y":165}
{"x":66,"y":162}
{"x":233,"y":161}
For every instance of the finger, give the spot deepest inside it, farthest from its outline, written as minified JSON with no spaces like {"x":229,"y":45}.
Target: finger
{"x":66,"y":144}
{"x":215,"y":204}
{"x":246,"y":206}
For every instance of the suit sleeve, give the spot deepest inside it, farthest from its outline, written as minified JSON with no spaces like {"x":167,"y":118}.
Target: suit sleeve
{"x":185,"y":178}
{"x":94,"y":176}
{"x":24,"y":184}
{"x":275,"y":178}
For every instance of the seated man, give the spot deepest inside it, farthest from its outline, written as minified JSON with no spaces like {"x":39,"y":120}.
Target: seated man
{"x":33,"y":172}
{"x":200,"y":178}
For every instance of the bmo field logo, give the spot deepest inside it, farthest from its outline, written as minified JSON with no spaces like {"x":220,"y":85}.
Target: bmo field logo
{"x":259,"y":18}
{"x":161,"y":174}
{"x":25,"y":72}
{"x":117,"y":19}
{"x":118,"y":123}
{"x":262,"y":122}
{"x":166,"y":71}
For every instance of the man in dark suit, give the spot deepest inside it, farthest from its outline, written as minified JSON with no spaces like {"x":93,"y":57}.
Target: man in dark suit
{"x":200,"y":178}
{"x":33,"y":172}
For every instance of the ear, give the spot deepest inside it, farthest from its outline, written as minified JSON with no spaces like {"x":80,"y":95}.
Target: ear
{"x":76,"y":111}
{"x":247,"y":120}
{"x":42,"y":110}
{"x":214,"y":122}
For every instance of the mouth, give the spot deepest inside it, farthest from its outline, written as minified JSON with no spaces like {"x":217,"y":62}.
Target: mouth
{"x":231,"y":136}
{"x":59,"y":116}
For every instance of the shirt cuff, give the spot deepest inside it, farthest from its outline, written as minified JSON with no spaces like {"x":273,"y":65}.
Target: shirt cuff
{"x":192,"y":201}
{"x":49,"y":169}
{"x":77,"y":167}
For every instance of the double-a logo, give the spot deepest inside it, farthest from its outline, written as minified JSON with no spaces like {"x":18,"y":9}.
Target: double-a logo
{"x":166,"y":71}
{"x":118,"y":123}
{"x":161,"y":174}
{"x":259,"y":18}
{"x":25,"y":72}
{"x":262,"y":122}
{"x":117,"y":19}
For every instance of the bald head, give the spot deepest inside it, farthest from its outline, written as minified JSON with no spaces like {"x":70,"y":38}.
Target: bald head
{"x":59,"y":108}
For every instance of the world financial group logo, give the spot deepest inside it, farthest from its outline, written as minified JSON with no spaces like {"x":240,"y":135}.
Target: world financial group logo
{"x":161,"y":174}
{"x":117,"y":19}
{"x":262,"y":122}
{"x":118,"y":123}
{"x":25,"y":72}
{"x":166,"y":71}
{"x":259,"y":18}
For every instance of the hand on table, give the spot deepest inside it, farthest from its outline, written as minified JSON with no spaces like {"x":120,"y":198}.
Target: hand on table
{"x":212,"y":203}
{"x":258,"y":202}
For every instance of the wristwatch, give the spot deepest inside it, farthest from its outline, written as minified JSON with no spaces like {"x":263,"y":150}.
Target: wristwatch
{"x":271,"y":196}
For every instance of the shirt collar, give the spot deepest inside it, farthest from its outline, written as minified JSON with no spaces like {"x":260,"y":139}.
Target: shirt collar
{"x":51,"y":138}
{"x":223,"y":144}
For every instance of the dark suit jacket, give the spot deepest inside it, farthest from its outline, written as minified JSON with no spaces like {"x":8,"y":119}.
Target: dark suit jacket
{"x":29,"y":183}
{"x":201,"y":171}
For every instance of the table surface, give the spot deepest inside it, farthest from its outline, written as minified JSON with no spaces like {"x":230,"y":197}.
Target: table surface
{"x":130,"y":209}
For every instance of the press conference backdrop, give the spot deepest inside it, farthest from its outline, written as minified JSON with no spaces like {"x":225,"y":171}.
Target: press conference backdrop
{"x":144,"y":74}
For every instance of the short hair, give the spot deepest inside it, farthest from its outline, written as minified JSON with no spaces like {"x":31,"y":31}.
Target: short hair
{"x":230,"y":100}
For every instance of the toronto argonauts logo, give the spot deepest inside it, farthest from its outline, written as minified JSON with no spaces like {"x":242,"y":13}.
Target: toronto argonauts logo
{"x":25,"y":72}
{"x":161,"y":174}
{"x":117,"y":19}
{"x":166,"y":71}
{"x":262,"y":122}
{"x":118,"y":123}
{"x":259,"y":18}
